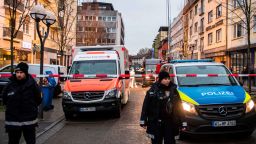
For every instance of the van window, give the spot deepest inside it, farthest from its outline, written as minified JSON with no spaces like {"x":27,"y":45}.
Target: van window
{"x":7,"y":69}
{"x":204,"y":69}
{"x":94,"y":67}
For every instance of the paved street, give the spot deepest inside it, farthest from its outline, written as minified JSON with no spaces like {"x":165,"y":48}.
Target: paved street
{"x":102,"y":129}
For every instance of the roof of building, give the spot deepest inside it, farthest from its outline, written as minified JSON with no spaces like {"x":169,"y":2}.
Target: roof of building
{"x":163,"y":28}
{"x":110,"y":5}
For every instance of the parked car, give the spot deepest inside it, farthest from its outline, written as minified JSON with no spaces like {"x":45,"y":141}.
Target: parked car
{"x":35,"y":69}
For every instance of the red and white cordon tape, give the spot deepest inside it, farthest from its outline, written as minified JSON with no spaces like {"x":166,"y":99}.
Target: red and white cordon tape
{"x":136,"y":75}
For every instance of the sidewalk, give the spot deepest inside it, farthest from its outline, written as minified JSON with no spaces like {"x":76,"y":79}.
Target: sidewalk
{"x":50,"y":117}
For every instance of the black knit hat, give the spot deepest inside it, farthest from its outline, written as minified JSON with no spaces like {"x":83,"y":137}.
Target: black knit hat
{"x":22,"y":67}
{"x":162,"y":75}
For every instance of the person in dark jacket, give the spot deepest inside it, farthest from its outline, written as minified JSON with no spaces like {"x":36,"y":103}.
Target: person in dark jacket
{"x":160,"y":111}
{"x":21,"y":97}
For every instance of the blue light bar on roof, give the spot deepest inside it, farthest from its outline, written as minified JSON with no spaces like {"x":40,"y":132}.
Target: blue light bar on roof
{"x":188,"y":61}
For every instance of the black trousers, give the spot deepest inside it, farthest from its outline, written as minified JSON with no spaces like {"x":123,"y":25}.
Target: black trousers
{"x":29,"y":134}
{"x":164,"y":133}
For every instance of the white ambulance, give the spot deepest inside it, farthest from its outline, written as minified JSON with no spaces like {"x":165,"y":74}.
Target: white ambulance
{"x":105,"y":88}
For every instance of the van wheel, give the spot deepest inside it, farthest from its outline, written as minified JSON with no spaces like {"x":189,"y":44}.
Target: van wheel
{"x":68,"y":116}
{"x":117,"y":111}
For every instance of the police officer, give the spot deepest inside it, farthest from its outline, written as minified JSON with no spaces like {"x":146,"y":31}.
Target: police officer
{"x":160,"y":111}
{"x":21,"y":97}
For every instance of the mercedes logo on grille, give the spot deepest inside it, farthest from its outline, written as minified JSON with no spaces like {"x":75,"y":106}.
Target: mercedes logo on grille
{"x":87,"y":95}
{"x":223,"y":111}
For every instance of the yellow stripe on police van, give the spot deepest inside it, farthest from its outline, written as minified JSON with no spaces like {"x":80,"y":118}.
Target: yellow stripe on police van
{"x":247,"y":97}
{"x":186,"y":98}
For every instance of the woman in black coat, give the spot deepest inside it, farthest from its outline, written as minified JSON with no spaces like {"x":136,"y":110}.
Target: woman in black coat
{"x":160,"y":111}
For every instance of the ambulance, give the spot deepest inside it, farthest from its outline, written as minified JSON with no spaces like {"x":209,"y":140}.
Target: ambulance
{"x":211,"y":104}
{"x":102,"y":85}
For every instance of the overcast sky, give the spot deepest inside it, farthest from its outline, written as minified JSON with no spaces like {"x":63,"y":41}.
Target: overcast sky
{"x":142,"y":19}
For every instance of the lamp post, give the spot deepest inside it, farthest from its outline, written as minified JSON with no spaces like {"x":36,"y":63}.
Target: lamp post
{"x":39,"y":13}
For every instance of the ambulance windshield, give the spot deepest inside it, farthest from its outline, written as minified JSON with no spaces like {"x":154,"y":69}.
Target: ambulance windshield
{"x":94,"y":67}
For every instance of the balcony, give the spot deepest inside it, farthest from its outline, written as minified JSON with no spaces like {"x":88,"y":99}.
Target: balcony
{"x":7,"y":33}
{"x":20,"y":6}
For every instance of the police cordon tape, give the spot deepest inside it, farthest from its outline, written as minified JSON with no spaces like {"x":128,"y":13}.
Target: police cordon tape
{"x":136,"y":75}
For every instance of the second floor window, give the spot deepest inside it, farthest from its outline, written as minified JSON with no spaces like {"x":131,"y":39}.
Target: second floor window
{"x":210,"y":16}
{"x":218,"y":35}
{"x":196,"y":7}
{"x":218,"y":11}
{"x":238,"y":30}
{"x":209,"y":38}
{"x":196,"y":25}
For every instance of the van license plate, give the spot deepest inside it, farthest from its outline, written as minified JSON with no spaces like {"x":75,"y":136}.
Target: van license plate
{"x":88,"y":109}
{"x":223,"y":123}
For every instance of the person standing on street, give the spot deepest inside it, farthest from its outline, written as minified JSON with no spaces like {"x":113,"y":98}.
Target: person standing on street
{"x":160,"y":111}
{"x":21,"y":96}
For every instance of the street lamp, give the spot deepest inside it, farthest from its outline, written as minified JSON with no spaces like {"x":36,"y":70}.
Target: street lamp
{"x":39,"y":13}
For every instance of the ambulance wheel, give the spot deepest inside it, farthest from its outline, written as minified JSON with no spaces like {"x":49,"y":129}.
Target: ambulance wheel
{"x":117,"y":111}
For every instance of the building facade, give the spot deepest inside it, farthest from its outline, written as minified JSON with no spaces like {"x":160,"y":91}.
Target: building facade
{"x":27,"y":44}
{"x":176,"y":35}
{"x":159,"y":41}
{"x":237,"y":38}
{"x":99,"y":23}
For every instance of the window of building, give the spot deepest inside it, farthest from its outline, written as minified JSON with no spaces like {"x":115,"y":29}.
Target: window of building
{"x":209,"y":38}
{"x":113,"y":18}
{"x":196,"y":8}
{"x":218,"y":35}
{"x":191,"y":14}
{"x":99,"y":18}
{"x":109,"y":18}
{"x":196,"y":26}
{"x":26,"y":27}
{"x":202,"y":25}
{"x":210,"y":16}
{"x":238,"y":30}
{"x":190,"y":30}
{"x":79,"y":17}
{"x":80,"y":29}
{"x":202,"y":6}
{"x":202,"y":44}
{"x":237,"y":3}
{"x":254,"y":23}
{"x":86,"y":18}
{"x":94,"y":18}
{"x":219,"y":11}
{"x":209,"y":1}
{"x":104,"y":18}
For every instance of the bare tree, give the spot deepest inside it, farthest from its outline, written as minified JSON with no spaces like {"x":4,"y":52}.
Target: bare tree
{"x":241,"y":13}
{"x":145,"y":52}
{"x":18,"y":12}
{"x":66,"y":13}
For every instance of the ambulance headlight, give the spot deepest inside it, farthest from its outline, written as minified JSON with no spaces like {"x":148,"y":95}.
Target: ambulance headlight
{"x":249,"y":106}
{"x":66,"y":95}
{"x":111,"y":93}
{"x":188,"y":107}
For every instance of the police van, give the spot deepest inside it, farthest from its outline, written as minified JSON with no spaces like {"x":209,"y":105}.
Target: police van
{"x":211,"y":104}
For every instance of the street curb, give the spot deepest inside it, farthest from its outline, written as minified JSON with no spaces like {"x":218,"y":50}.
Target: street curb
{"x":49,"y":131}
{"x":50,"y":126}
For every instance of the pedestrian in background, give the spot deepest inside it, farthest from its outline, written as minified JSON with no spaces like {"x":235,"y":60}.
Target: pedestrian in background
{"x":21,"y":96}
{"x":160,"y":111}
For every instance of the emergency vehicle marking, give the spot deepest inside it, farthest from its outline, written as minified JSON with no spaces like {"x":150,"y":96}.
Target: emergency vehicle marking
{"x":217,"y":93}
{"x":213,"y":95}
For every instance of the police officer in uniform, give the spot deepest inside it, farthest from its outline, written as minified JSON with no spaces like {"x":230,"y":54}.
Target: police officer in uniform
{"x":21,"y":97}
{"x":160,"y":111}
